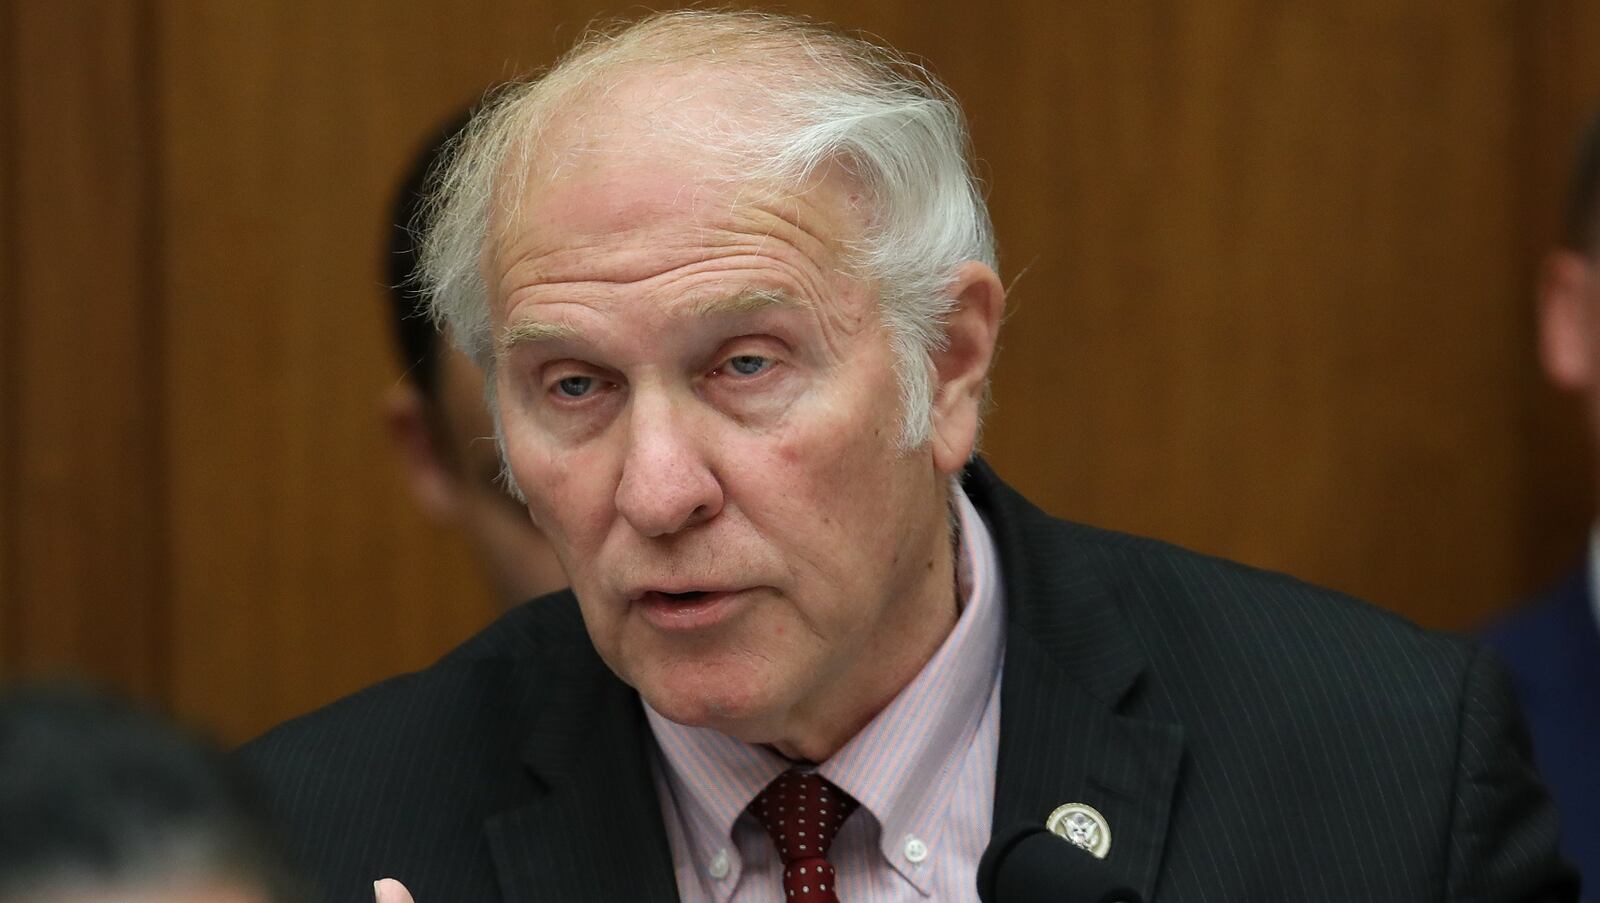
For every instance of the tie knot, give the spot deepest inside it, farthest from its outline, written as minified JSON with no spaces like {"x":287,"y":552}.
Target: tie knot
{"x":802,"y":813}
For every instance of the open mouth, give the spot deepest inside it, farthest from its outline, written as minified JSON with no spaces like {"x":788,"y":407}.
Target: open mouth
{"x":690,"y":609}
{"x":687,"y":597}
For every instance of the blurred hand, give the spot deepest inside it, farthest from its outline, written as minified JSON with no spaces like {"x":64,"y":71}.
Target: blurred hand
{"x":388,"y":890}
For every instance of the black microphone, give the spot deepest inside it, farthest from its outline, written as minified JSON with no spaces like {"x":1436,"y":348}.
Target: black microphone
{"x":1028,"y":864}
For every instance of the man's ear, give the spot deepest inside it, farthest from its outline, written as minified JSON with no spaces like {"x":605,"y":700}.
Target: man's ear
{"x":428,"y":471}
{"x":1569,"y":324}
{"x":961,"y":368}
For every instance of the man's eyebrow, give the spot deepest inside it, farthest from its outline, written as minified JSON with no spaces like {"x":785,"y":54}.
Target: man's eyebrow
{"x":748,"y":302}
{"x":532,"y":331}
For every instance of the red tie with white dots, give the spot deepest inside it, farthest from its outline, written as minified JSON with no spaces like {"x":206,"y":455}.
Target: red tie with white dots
{"x":802,"y":813}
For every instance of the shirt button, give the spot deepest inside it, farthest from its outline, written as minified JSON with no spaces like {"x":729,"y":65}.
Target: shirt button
{"x":719,"y":866}
{"x":916,"y":850}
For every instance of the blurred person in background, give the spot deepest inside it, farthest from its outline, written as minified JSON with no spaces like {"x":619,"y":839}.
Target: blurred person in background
{"x":1552,"y":645}
{"x":436,"y":418}
{"x":101,"y":803}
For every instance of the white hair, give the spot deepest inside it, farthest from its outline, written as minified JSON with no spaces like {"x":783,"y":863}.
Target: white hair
{"x":820,"y":98}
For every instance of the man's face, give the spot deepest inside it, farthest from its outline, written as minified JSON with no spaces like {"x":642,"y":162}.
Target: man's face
{"x":702,"y":409}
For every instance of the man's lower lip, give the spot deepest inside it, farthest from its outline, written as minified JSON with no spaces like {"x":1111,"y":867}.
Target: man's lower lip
{"x":679,"y":613}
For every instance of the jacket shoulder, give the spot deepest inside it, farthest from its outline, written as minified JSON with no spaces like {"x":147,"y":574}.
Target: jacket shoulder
{"x":408,"y":770}
{"x":483,"y":675}
{"x":1261,"y":605}
{"x":1222,"y":637}
{"x":1198,"y":611}
{"x":1194,"y":608}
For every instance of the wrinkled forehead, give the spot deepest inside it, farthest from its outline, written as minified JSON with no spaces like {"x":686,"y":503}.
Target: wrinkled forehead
{"x":657,"y":163}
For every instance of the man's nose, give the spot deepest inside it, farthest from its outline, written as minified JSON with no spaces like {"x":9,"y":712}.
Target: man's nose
{"x":667,"y":484}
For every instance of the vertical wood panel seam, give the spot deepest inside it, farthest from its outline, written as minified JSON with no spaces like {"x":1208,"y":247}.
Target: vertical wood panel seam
{"x":1527,"y":96}
{"x":154,"y":339}
{"x":10,"y":535}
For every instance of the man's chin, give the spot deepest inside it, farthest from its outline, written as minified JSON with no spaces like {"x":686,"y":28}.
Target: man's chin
{"x":733,"y":709}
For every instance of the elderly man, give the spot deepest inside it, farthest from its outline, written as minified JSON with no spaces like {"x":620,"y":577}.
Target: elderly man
{"x":734,"y":285}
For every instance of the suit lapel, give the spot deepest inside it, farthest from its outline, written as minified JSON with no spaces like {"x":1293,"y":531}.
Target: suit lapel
{"x":595,"y":833}
{"x":1059,"y":744}
{"x":1073,"y":669}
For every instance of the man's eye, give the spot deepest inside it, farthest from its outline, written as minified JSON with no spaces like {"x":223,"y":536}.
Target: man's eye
{"x":748,"y":364}
{"x":575,"y":386}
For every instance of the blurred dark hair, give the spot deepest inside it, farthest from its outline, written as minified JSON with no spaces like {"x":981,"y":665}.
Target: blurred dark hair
{"x":1580,"y":223}
{"x":418,"y":340}
{"x":95,"y":794}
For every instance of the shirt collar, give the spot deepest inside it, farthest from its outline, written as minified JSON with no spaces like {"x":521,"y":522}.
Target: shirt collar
{"x":901,"y":764}
{"x":712,"y":777}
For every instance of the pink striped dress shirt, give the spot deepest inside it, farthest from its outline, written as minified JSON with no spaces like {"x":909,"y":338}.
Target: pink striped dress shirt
{"x":923,"y":770}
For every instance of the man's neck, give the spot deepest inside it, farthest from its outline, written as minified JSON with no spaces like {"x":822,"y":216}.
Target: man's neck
{"x":816,"y":738}
{"x":906,"y":641}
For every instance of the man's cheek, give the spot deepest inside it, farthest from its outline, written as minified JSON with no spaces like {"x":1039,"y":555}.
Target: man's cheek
{"x":565,"y":500}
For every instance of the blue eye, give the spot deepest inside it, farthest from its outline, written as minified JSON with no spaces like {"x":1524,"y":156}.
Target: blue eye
{"x":575,"y":386}
{"x":748,"y":364}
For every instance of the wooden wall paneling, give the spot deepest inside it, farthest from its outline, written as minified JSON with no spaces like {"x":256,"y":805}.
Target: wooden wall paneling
{"x":1267,"y":269}
{"x":302,"y":571}
{"x":9,"y":606}
{"x":84,"y":504}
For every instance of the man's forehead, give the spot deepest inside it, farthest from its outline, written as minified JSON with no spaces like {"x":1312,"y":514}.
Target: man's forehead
{"x":656,"y":189}
{"x":631,"y":191}
{"x":671,"y":121}
{"x":631,"y":217}
{"x":535,"y":328}
{"x":644,"y":111}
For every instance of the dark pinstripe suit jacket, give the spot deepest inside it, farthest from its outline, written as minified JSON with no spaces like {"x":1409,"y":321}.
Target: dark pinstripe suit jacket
{"x":1247,"y":736}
